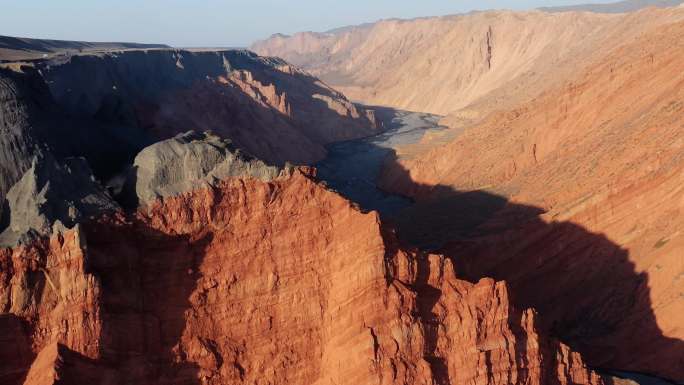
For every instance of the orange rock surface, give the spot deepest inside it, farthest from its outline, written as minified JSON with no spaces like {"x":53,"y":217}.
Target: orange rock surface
{"x":278,"y":282}
{"x":466,"y":65}
{"x":603,"y":151}
{"x":57,"y":364}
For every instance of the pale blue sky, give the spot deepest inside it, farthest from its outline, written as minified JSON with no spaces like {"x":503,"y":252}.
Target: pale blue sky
{"x":217,"y":22}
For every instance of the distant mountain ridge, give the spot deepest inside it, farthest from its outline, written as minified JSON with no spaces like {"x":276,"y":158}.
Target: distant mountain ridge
{"x":614,"y":7}
{"x":507,"y":57}
{"x":21,"y":48}
{"x":619,"y":7}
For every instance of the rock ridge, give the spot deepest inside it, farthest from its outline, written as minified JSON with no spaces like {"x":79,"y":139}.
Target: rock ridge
{"x":253,"y":281}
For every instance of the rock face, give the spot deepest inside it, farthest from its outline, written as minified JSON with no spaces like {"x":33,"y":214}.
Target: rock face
{"x":40,"y":183}
{"x":50,"y":193}
{"x":464,"y":65}
{"x":48,"y":296}
{"x":266,"y":106}
{"x":24,"y":105}
{"x":605,"y":152}
{"x":57,"y":364}
{"x":190,"y":161}
{"x":255,"y":281}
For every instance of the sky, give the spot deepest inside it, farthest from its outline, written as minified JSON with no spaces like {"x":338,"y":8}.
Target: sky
{"x":218,"y":23}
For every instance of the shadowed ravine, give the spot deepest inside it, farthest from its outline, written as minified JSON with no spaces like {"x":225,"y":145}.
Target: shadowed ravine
{"x":352,"y":167}
{"x":485,"y":235}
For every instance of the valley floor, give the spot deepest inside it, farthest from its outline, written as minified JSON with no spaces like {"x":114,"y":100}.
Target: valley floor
{"x":352,"y":167}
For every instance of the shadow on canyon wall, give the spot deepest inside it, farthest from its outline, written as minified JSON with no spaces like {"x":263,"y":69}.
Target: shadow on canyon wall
{"x":145,"y":95}
{"x":147,"y":279}
{"x":128,"y":104}
{"x":16,"y":355}
{"x":583,"y":286}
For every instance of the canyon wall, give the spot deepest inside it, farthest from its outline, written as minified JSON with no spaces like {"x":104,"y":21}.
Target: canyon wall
{"x":182,"y":258}
{"x":266,"y":106}
{"x":134,"y":98}
{"x":603,"y":151}
{"x":464,"y":65}
{"x":249,"y":281}
{"x":566,"y":117}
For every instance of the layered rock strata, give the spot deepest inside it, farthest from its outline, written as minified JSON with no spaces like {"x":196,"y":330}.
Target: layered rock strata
{"x":255,"y":281}
{"x":604,"y":152}
{"x":464,"y":66}
{"x":266,"y":106}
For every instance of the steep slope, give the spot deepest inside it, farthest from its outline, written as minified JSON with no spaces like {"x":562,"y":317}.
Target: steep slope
{"x":253,"y":282}
{"x":264,"y":105}
{"x":467,"y":65}
{"x":25,"y":109}
{"x":604,"y":151}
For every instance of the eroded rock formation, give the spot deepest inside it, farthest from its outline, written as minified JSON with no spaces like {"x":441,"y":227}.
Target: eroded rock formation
{"x":53,"y":193}
{"x":186,"y":162}
{"x":253,"y":281}
{"x":266,"y":106}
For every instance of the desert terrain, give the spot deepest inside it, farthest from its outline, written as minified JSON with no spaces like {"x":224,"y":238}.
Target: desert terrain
{"x":491,"y":198}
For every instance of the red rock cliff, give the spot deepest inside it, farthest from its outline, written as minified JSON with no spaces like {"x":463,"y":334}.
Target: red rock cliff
{"x":278,"y":282}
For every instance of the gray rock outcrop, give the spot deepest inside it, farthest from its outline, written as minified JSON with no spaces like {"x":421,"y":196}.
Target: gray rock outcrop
{"x":52,"y":195}
{"x":188,"y":161}
{"x":21,"y":124}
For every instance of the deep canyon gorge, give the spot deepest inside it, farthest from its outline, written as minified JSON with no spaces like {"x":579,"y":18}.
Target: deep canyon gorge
{"x":490,"y":198}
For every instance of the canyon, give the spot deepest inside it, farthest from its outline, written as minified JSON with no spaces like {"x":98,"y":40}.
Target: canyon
{"x":463,"y":66}
{"x":589,"y":137}
{"x":602,"y":153}
{"x":489,"y":198}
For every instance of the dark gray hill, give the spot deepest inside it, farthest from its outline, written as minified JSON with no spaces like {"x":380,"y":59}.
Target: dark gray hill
{"x":21,"y":48}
